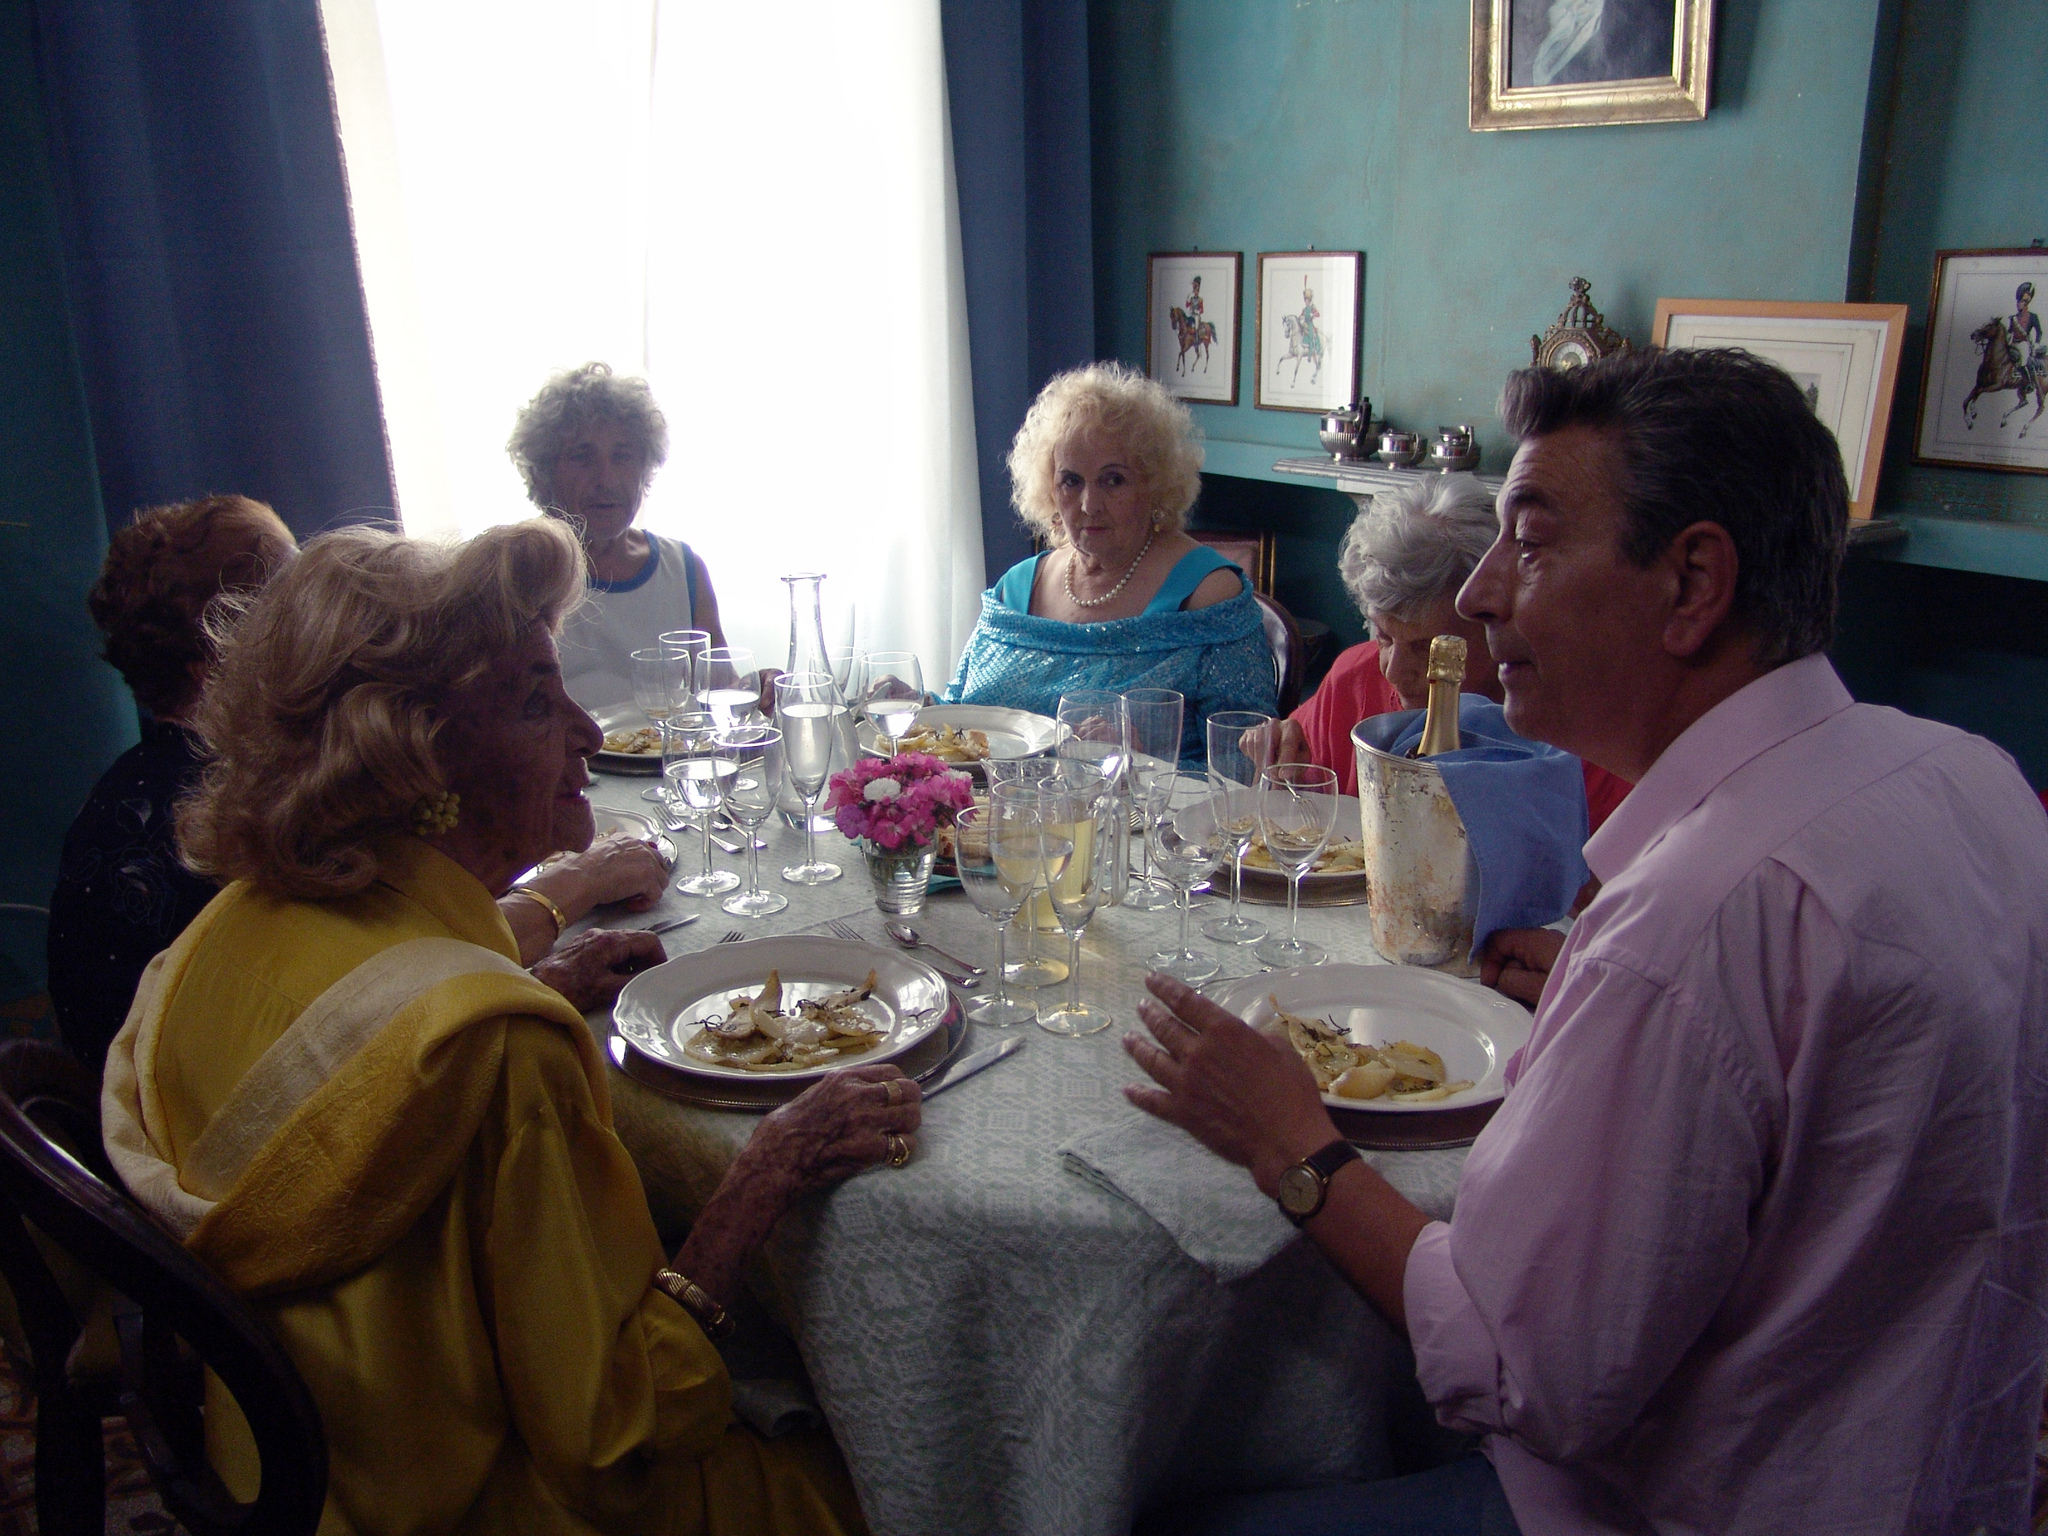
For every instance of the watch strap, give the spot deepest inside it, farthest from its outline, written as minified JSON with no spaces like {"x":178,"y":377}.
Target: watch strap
{"x":1323,"y":1163}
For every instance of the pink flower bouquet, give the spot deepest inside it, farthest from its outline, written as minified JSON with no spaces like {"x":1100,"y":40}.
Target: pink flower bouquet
{"x":898,"y":802}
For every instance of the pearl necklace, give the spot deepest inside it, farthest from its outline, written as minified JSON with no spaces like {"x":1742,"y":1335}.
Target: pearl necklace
{"x":1097,"y":602}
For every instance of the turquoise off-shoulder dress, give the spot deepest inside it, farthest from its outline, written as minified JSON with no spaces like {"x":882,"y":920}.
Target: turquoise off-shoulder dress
{"x":1216,"y":656}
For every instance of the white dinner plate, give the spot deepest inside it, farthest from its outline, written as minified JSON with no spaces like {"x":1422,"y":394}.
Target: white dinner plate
{"x":1347,"y":828}
{"x":1472,"y":1027}
{"x":1011,"y":732}
{"x":660,"y":1009}
{"x":624,"y":717}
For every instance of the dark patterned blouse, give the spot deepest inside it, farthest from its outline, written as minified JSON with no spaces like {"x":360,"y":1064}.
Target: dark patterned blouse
{"x":121,"y":893}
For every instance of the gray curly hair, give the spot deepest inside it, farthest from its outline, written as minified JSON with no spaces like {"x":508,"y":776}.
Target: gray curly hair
{"x":1156,"y":433}
{"x":569,"y":403}
{"x":1416,"y":544}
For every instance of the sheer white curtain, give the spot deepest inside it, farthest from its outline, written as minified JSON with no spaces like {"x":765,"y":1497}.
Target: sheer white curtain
{"x":753,"y":208}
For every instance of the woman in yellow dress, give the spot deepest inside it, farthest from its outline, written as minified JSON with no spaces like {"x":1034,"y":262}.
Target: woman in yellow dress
{"x":341,"y":1090}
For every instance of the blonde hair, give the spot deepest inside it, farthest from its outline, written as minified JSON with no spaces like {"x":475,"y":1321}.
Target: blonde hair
{"x":1157,"y":437}
{"x":333,"y":683}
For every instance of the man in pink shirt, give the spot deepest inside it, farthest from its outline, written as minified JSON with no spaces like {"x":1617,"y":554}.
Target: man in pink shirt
{"x":1758,"y":1241}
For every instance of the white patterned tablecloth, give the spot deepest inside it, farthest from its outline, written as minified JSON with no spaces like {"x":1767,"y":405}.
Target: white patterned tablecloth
{"x":1000,"y":1344}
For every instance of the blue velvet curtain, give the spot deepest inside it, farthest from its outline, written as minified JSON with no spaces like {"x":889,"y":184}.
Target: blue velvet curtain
{"x":209,"y":258}
{"x":1017,"y":80}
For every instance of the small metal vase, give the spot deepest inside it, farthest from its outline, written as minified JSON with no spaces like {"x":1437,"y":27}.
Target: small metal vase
{"x":902,"y":876}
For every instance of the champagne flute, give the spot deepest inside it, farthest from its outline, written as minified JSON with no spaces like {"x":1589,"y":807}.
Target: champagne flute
{"x":1187,"y":840}
{"x":1021,"y":776}
{"x":807,"y":708}
{"x":754,"y":752}
{"x":726,"y":684}
{"x":656,"y":674}
{"x":697,"y":777}
{"x":1152,"y":723}
{"x":1297,"y":809}
{"x":892,"y":695}
{"x":1234,"y":771}
{"x":996,"y":851}
{"x":1075,"y":853}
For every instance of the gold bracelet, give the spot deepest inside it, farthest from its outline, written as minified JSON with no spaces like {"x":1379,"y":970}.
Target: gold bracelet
{"x":547,"y":905}
{"x":716,"y":1322}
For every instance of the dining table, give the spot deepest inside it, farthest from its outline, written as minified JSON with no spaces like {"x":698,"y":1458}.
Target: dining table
{"x":1000,"y":1341}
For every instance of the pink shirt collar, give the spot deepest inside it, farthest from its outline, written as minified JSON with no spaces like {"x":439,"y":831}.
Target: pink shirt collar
{"x":1743,"y":726}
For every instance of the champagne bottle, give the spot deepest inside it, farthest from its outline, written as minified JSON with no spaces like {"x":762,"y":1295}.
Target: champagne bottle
{"x":1446,"y":672}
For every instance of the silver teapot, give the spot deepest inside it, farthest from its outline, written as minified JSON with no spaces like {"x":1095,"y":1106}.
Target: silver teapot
{"x":1341,"y":430}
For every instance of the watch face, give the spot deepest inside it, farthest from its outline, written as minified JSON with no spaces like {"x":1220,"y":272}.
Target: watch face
{"x":1570,"y":353}
{"x":1300,"y":1191}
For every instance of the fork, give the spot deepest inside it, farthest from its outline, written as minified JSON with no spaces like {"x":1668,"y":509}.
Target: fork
{"x":845,"y":930}
{"x":732,"y":938}
{"x":842,"y":929}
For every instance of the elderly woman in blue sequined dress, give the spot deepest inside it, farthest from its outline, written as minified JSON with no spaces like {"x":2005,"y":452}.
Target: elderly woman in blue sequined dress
{"x":1105,"y":468}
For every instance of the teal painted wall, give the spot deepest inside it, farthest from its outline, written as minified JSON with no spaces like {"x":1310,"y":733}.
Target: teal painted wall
{"x":67,"y":713}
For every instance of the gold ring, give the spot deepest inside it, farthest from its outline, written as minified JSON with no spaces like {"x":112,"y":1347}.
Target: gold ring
{"x":899,"y":1150}
{"x":889,"y":1095}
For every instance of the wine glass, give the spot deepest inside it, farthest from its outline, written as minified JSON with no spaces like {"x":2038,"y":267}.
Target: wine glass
{"x":1091,"y":730}
{"x":1075,"y":851}
{"x":891,"y":696}
{"x":996,"y":851}
{"x":754,"y":752}
{"x":1018,"y":785}
{"x":1234,"y":772}
{"x":725,"y":683}
{"x":807,"y":709}
{"x":696,"y":776}
{"x":1297,"y":809}
{"x":1187,"y":841}
{"x":849,"y":670}
{"x":692,"y":643}
{"x":1152,"y":721}
{"x":661,"y":684}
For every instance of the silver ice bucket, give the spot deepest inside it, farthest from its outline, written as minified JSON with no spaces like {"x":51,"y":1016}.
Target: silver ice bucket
{"x":1422,"y":881}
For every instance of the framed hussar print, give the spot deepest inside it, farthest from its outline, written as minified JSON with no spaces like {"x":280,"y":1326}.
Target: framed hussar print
{"x":1191,"y":304}
{"x":1844,"y":357}
{"x":1310,"y":303}
{"x":1984,"y":382}
{"x":1585,"y":63}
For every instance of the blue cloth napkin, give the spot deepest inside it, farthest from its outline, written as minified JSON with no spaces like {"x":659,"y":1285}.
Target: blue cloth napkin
{"x":1524,"y":808}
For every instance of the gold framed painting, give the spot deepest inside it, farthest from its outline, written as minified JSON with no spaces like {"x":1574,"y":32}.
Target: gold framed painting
{"x":1845,"y":357}
{"x":1589,"y":63}
{"x":1983,"y":343}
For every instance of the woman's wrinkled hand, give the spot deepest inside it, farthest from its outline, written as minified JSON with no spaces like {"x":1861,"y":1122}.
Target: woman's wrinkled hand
{"x":835,"y":1128}
{"x":1245,"y":1095}
{"x":616,"y":868}
{"x":590,"y":969}
{"x":1281,"y":741}
{"x":1516,"y":962}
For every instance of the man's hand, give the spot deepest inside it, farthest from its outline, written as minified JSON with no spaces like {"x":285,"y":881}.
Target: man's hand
{"x":590,"y":969}
{"x":1516,"y":961}
{"x":1246,"y":1096}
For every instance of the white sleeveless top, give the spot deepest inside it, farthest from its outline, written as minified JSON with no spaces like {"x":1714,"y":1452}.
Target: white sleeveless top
{"x":621,"y":617}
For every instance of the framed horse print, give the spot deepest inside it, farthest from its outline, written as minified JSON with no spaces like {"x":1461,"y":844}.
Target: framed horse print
{"x":1844,"y":357}
{"x":1191,"y":304}
{"x":1984,"y":380}
{"x":1310,"y":305}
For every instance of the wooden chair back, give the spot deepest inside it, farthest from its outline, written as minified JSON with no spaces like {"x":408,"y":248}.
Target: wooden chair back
{"x":171,"y":1297}
{"x":1290,"y":652}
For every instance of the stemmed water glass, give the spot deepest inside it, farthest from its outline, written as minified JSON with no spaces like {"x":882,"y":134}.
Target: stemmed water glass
{"x":849,"y":671}
{"x":1234,"y":773}
{"x":1152,"y":722}
{"x":1075,"y":851}
{"x":1091,"y":730}
{"x":1019,"y":778}
{"x":661,"y":685}
{"x":1186,"y":841}
{"x":995,"y":848}
{"x":696,"y":776}
{"x":891,"y":695}
{"x":1297,"y":809}
{"x":725,"y":683}
{"x":808,"y":707}
{"x":692,"y":643}
{"x":754,"y":752}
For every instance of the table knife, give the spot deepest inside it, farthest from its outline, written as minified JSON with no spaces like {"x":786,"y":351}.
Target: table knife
{"x":968,"y":1065}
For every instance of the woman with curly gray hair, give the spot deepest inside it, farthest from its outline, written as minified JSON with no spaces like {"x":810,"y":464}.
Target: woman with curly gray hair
{"x":342,"y":1092}
{"x":1403,"y":561}
{"x":1104,"y":470}
{"x":587,"y":446}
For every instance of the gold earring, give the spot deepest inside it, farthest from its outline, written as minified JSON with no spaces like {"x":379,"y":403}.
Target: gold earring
{"x":438,"y":813}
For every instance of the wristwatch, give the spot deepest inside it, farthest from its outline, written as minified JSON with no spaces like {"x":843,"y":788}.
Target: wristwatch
{"x":1305,"y":1185}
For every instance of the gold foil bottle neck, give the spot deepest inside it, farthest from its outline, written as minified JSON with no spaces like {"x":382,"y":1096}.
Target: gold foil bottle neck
{"x":1446,"y":674}
{"x":1447,"y":659}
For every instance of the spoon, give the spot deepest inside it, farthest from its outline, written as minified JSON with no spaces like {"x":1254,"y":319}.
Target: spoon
{"x":909,"y":938}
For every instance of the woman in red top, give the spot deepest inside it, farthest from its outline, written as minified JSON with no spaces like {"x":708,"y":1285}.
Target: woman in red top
{"x":1403,"y":562}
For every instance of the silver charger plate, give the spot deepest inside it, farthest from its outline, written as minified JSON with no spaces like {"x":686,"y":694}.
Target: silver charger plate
{"x":661,"y":1008}
{"x":1011,"y":732}
{"x":612,"y":719}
